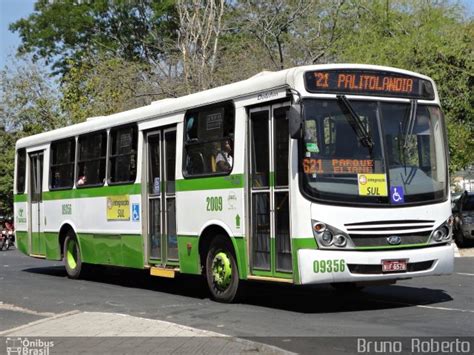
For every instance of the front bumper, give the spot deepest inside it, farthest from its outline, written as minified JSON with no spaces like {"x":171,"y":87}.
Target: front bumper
{"x":363,"y":266}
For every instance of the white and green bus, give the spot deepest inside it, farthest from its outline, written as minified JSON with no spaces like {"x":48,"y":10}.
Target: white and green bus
{"x":316,"y":174}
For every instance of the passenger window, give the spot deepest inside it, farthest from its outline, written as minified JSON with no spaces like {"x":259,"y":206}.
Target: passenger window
{"x":62,"y":164}
{"x":209,"y":141}
{"x":92,"y":158}
{"x":123,"y":155}
{"x":20,"y":171}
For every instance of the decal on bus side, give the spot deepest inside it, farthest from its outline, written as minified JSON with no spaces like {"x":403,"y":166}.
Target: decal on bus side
{"x":214,"y":203}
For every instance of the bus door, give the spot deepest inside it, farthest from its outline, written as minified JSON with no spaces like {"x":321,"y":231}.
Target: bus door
{"x":270,"y":247}
{"x":162,"y":240}
{"x":36,"y":204}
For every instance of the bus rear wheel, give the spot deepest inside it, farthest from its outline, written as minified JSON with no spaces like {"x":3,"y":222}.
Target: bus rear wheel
{"x":72,"y":257}
{"x":221,"y":271}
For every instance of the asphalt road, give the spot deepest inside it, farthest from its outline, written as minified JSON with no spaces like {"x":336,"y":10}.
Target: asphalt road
{"x":32,"y":289}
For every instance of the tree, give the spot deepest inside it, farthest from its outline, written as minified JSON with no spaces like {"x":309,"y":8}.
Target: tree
{"x":100,"y":86}
{"x":66,"y":31}
{"x":7,"y":158}
{"x":431,"y":38}
{"x":29,"y":99}
{"x":29,"y":104}
{"x":200,"y":27}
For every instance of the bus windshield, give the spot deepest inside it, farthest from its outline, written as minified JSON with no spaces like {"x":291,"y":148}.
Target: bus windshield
{"x":405,"y":161}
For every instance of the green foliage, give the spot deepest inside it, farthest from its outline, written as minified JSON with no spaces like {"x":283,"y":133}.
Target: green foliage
{"x":102,"y":86}
{"x":431,"y":38}
{"x":29,"y":100}
{"x":29,"y":104}
{"x":64,"y":30}
{"x":7,"y":158}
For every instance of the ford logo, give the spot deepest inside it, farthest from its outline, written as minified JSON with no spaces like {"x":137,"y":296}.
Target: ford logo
{"x":394,"y":240}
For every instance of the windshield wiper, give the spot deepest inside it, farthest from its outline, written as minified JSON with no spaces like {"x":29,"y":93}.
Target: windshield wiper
{"x":355,"y":122}
{"x":410,"y":124}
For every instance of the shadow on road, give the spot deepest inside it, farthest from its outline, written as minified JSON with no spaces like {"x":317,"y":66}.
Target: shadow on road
{"x":307,"y":299}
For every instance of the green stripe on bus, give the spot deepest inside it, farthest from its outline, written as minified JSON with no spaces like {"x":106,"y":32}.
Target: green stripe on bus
{"x":21,"y":198}
{"x":211,"y":183}
{"x":383,"y":247}
{"x":103,"y":191}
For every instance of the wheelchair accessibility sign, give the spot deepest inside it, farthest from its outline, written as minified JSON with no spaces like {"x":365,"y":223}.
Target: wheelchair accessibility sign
{"x":135,"y":212}
{"x":397,"y":195}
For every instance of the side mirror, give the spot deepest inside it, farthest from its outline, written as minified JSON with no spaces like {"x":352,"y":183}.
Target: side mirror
{"x":295,"y":121}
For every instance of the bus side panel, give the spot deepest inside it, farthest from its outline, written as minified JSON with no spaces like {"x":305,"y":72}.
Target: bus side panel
{"x":101,"y":249}
{"x":132,"y":251}
{"x":108,"y":249}
{"x":22,"y":241}
{"x":240,"y":248}
{"x":21,"y":223}
{"x":53,"y":249}
{"x":189,"y":259}
{"x":219,"y":199}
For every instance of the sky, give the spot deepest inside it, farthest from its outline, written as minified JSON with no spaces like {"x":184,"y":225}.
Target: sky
{"x":12,"y":10}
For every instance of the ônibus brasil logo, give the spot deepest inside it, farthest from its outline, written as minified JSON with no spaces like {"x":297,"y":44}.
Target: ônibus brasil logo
{"x":21,"y":346}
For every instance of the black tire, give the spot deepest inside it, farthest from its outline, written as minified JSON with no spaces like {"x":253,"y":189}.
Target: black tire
{"x":222,"y":285}
{"x":459,"y":238}
{"x":72,"y":256}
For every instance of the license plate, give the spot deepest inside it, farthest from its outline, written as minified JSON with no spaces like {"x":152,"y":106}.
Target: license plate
{"x":394,"y":265}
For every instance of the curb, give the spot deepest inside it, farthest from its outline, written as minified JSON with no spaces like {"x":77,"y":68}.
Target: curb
{"x":39,"y":321}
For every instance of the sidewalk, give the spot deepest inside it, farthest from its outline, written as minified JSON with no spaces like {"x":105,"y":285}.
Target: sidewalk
{"x":111,"y":333}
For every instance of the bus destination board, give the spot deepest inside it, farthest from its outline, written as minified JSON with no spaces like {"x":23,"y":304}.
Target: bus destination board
{"x":368,"y":82}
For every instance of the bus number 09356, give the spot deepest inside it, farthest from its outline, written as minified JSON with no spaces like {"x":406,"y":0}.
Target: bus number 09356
{"x":323,"y":266}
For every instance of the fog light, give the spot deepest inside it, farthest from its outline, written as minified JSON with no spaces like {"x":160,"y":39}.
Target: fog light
{"x":326,"y":238}
{"x":340,"y":240}
{"x":319,"y":227}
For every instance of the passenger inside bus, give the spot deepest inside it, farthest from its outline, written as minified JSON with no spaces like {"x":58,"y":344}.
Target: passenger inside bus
{"x":82,"y":180}
{"x":224,"y":160}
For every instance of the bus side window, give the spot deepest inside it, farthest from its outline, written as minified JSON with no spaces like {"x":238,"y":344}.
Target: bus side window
{"x":208,"y":142}
{"x":123,"y":155}
{"x":62,"y":164}
{"x":21,"y":171}
{"x":92,"y":159}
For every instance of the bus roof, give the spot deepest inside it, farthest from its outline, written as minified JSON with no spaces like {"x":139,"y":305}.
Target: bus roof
{"x":260,"y":82}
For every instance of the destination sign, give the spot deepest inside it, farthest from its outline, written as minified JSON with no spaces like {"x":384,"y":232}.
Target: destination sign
{"x":368,"y":82}
{"x":338,"y":166}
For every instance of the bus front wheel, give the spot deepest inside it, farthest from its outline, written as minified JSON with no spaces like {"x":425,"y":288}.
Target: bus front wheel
{"x":221,"y":271}
{"x":72,"y":256}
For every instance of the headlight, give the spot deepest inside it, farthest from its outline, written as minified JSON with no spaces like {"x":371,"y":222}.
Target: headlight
{"x":326,"y":238}
{"x":329,"y":237}
{"x":340,"y":240}
{"x":442,"y":234}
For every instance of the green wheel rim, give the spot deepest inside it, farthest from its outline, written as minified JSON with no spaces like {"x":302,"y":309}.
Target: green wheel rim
{"x":71,"y":254}
{"x":221,"y":270}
